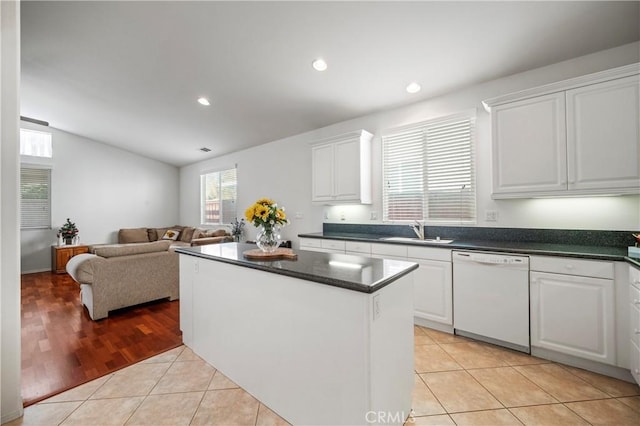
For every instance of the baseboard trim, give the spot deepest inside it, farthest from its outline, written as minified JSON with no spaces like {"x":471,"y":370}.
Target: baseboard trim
{"x":35,"y":271}
{"x":585,"y":364}
{"x":432,"y":324}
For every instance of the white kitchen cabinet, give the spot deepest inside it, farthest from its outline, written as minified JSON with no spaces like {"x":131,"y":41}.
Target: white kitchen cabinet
{"x":358,"y":248}
{"x":341,"y":169}
{"x":389,"y":251}
{"x":576,"y":137}
{"x":603,"y":135}
{"x":322,"y":245}
{"x":529,"y":145}
{"x":572,"y":313}
{"x":432,"y":285}
{"x":634,"y":329}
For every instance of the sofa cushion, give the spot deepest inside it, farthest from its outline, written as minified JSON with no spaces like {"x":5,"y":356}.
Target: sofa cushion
{"x":187,"y":234}
{"x":153,"y":234}
{"x":129,"y":249}
{"x":133,"y":235}
{"x":205,"y":233}
{"x":211,"y":240}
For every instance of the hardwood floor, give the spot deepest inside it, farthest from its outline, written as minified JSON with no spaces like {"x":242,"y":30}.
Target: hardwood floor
{"x":63,"y":348}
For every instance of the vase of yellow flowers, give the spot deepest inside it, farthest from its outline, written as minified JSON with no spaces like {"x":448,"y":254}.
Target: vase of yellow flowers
{"x":268,"y":218}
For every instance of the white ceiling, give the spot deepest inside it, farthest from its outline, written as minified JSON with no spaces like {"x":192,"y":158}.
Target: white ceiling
{"x":129,"y":73}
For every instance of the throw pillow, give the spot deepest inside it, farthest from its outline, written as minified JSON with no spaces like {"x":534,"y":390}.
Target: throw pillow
{"x":187,"y":234}
{"x":171,"y":234}
{"x":135,"y":235}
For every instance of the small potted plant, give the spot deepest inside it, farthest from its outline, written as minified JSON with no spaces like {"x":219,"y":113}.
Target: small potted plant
{"x":237,"y":228}
{"x":68,"y":232}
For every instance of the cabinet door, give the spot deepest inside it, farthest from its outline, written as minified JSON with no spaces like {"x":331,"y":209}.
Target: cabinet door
{"x":62,"y":257}
{"x":573,"y":315}
{"x":529,"y":146}
{"x":603,"y":135}
{"x":322,"y":173}
{"x":347,"y":170}
{"x":433,"y":291}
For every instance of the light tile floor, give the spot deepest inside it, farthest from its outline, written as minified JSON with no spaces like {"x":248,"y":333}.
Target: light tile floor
{"x":458,"y":381}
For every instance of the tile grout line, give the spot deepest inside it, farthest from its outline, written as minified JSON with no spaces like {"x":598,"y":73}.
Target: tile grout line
{"x":82,"y":402}
{"x":153,"y":387}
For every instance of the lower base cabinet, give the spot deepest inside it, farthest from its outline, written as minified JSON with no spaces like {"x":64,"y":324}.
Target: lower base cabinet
{"x":433,"y":296}
{"x":574,"y":315}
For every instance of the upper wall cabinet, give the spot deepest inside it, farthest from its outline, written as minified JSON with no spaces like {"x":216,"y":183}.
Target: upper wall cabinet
{"x":576,"y":137}
{"x":341,"y":169}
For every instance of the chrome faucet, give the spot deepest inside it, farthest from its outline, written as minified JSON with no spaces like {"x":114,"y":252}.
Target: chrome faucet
{"x":418,"y":228}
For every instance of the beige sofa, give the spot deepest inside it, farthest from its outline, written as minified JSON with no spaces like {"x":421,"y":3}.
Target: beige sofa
{"x":186,"y":235}
{"x":122,"y":275}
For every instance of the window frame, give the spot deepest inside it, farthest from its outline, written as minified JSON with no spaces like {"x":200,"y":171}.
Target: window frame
{"x":221,"y":184}
{"x":468,"y":215}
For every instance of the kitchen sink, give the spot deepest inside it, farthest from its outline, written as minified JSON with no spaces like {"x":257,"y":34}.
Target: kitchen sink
{"x":417,"y":240}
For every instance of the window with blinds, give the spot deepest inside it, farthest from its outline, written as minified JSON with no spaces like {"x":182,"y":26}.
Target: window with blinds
{"x":219,"y":194}
{"x":428,"y":171}
{"x":35,"y":198}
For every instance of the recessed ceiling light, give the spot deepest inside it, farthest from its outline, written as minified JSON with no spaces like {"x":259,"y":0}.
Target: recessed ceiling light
{"x":413,"y":87}
{"x":319,"y":65}
{"x":204,"y":101}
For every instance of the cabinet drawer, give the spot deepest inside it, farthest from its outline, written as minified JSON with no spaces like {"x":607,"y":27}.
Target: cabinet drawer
{"x":358,"y":247}
{"x":310,"y":242}
{"x":571,"y":266}
{"x":392,"y":250}
{"x":429,"y":253}
{"x":333,"y":245}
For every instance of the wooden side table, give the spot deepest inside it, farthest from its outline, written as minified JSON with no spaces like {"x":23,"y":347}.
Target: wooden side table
{"x":60,"y":255}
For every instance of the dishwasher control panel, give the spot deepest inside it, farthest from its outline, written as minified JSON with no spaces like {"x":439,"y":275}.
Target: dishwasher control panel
{"x":490,"y":258}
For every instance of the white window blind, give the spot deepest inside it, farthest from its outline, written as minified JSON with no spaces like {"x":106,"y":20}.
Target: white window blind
{"x":429,"y":173}
{"x":35,"y":198}
{"x":219,"y":194}
{"x":35,"y":143}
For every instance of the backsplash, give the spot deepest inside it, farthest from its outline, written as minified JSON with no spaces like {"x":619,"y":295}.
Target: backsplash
{"x":549,"y":236}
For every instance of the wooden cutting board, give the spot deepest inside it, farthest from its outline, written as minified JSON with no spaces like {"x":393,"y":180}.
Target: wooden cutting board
{"x":280,"y":253}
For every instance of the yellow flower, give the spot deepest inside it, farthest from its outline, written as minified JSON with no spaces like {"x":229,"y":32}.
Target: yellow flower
{"x":249,"y":213}
{"x":262,"y":211}
{"x":265,"y":201}
{"x":280,"y":215}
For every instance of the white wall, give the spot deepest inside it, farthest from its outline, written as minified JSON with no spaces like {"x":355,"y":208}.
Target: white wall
{"x":282,"y":169}
{"x":101,"y":189}
{"x":11,"y":402}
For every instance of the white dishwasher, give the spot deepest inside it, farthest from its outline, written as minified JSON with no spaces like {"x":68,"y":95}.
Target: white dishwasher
{"x":491,"y":298}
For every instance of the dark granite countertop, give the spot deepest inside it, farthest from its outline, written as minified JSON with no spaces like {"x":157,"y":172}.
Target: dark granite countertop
{"x":357,"y":273}
{"x":633,"y":260}
{"x":565,"y":250}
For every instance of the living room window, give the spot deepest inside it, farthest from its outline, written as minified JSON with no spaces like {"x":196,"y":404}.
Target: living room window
{"x":429,"y":172}
{"x":35,"y":197}
{"x":36,"y":152}
{"x":218,"y":197}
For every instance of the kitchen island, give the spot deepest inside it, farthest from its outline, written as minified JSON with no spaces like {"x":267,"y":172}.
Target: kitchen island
{"x":324,"y":339}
